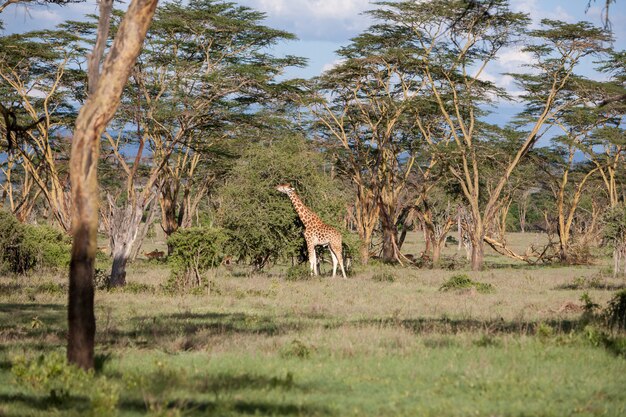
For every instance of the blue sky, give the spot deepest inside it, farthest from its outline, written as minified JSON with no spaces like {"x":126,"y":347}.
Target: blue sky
{"x":323,"y":26}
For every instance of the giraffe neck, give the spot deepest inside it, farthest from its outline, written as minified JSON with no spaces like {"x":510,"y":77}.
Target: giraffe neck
{"x":307,"y":215}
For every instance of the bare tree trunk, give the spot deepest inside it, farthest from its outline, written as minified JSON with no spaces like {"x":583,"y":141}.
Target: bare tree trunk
{"x":478,"y":255}
{"x":459,"y":229}
{"x":124,"y":224}
{"x":437,"y":244}
{"x":104,"y":97}
{"x":390,"y":233}
{"x":365,"y":217}
{"x":169,"y":222}
{"x":143,"y":231}
{"x":364,"y":249}
{"x":124,"y":227}
{"x":477,"y":237}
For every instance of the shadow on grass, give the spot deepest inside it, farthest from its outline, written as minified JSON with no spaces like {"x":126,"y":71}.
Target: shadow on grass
{"x":231,"y":408}
{"x":152,"y":329}
{"x":216,"y":394}
{"x":44,"y":403}
{"x":15,"y":313}
{"x":171,"y":326}
{"x":41,"y":319}
{"x":33,"y":326}
{"x":454,"y":326}
{"x":591,"y":286}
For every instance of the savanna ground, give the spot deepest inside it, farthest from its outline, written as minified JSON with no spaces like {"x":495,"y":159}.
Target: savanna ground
{"x":386,"y":342}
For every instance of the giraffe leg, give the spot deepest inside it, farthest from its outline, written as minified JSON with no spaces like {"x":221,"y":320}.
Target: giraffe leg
{"x":312,"y":258}
{"x":332,"y":255}
{"x":335,"y":249}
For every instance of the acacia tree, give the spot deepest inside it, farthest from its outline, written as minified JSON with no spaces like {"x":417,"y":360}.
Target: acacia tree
{"x":40,"y":79}
{"x":205,"y":72}
{"x":124,"y":221}
{"x":606,"y":146}
{"x":361,"y":108}
{"x":106,"y":83}
{"x":452,"y":48}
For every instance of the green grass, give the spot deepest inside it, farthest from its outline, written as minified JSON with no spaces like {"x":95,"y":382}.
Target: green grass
{"x":262,"y":344}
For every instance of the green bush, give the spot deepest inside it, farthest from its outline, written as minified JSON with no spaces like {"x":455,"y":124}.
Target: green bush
{"x":462,"y":281}
{"x":49,"y":246}
{"x":261,"y":222}
{"x":26,"y":247}
{"x":196,"y":250}
{"x":52,"y":376}
{"x":12,"y":253}
{"x":384,"y":276}
{"x":296,"y":349}
{"x":298,"y":272}
{"x":615,"y":313}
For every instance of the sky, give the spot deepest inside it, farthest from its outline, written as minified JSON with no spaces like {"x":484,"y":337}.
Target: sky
{"x":323,"y":26}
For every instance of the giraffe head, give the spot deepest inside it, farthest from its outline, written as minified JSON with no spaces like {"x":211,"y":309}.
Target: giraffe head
{"x":285,"y":188}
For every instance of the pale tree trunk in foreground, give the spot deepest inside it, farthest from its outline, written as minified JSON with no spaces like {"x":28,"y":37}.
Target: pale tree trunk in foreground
{"x":124,"y":232}
{"x":105,"y":90}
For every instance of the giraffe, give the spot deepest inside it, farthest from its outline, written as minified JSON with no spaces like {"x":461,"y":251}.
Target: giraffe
{"x":316,"y":232}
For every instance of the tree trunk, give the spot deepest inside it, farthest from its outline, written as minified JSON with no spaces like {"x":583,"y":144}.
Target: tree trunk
{"x":124,"y":226}
{"x":478,"y":255}
{"x":477,"y":238}
{"x":437,"y":244}
{"x":459,"y":229}
{"x":563,"y":242}
{"x":563,"y":251}
{"x":169,"y":222}
{"x":364,"y":251}
{"x":143,"y":231}
{"x":104,"y":97}
{"x":427,"y":238}
{"x":365,"y":217}
{"x":390,"y":233}
{"x":80,"y":311}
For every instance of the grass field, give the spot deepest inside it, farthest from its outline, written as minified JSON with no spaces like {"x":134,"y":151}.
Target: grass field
{"x":386,"y":342}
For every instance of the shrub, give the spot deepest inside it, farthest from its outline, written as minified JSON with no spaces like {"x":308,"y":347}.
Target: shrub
{"x":11,"y":239}
{"x":298,"y":272}
{"x":51,"y":375}
{"x":614,"y":233}
{"x":196,"y":250}
{"x":462,"y":281}
{"x":384,"y":276}
{"x":48,"y":246}
{"x":261,"y":222}
{"x":26,"y":247}
{"x":296,"y":349}
{"x":615,"y":313}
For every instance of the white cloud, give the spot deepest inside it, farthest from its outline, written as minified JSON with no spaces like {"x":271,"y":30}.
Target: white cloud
{"x":514,"y":59}
{"x":316,"y":19}
{"x":331,"y":65}
{"x":316,"y":9}
{"x":534,"y":9}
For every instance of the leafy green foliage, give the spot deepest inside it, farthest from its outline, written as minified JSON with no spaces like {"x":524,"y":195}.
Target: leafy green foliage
{"x":48,"y":246}
{"x":261,"y":222}
{"x":27,"y":247}
{"x":298,"y":272}
{"x":384,"y":276}
{"x":614,"y":230}
{"x":51,"y":375}
{"x":196,"y":250}
{"x":615,"y":313}
{"x":462,"y":281}
{"x":296,"y":349}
